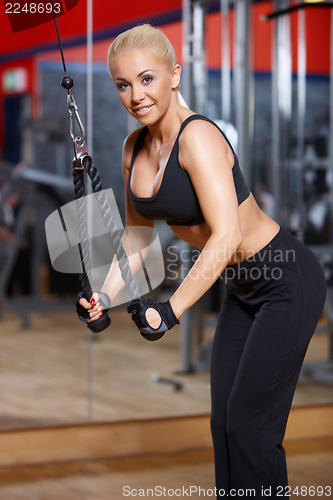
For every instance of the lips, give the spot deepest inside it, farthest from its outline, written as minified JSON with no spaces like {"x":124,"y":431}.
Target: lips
{"x":144,"y":110}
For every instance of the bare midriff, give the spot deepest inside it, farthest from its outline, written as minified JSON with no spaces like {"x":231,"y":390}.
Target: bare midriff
{"x":257,"y":231}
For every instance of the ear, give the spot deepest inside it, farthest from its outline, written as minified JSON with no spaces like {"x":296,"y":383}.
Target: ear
{"x":176,"y":76}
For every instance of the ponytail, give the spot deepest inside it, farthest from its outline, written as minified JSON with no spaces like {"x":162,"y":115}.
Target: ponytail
{"x":182,"y":101}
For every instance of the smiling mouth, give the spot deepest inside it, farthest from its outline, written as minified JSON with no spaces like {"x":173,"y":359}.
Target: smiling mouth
{"x":143,"y":111}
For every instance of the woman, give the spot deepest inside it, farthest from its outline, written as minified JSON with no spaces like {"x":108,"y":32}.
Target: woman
{"x":180,"y":167}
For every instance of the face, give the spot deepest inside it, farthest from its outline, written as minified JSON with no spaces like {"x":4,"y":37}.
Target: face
{"x":145,"y":85}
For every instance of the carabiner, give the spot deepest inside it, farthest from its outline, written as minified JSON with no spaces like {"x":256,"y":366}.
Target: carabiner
{"x":81,"y":152}
{"x":71,"y":105}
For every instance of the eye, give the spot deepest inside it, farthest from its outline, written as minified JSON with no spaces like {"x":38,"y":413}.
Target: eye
{"x":147,"y":79}
{"x":122,"y":86}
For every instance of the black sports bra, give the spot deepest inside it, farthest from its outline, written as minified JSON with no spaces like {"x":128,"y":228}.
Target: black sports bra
{"x":176,"y":201}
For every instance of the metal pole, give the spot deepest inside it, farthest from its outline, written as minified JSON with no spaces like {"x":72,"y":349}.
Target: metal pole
{"x":225,"y":63}
{"x":194,"y":72}
{"x":274,"y":185}
{"x":90,"y":338}
{"x":187,"y":91}
{"x":90,"y":76}
{"x":194,"y":92}
{"x":301,"y":104}
{"x":187,"y":44}
{"x":281,"y":114}
{"x":241,"y":82}
{"x":330,"y":138}
{"x":199,"y":66}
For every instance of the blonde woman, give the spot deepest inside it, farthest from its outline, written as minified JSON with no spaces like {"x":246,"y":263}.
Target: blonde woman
{"x":180,"y":167}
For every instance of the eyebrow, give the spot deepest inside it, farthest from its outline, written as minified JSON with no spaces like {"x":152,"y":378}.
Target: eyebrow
{"x":145,"y":71}
{"x":140,"y":74}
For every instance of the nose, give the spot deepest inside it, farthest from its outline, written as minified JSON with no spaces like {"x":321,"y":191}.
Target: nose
{"x":137,"y":94}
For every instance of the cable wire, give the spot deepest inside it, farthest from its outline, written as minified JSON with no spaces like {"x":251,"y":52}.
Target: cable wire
{"x":58,"y":36}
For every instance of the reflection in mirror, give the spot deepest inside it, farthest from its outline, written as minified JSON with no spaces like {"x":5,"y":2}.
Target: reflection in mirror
{"x":53,"y":371}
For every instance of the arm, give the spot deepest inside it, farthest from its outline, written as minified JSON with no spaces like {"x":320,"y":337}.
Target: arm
{"x":205,"y":155}
{"x":134,"y":238}
{"x":136,"y":242}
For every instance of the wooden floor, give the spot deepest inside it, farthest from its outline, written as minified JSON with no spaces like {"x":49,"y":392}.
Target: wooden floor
{"x":52,"y":374}
{"x":309,"y":464}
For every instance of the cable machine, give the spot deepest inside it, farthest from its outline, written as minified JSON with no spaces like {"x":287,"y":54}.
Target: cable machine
{"x":281,"y":164}
{"x":288,"y":172}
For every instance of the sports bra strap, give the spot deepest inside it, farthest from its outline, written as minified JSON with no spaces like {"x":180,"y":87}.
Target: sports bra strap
{"x":143,"y":132}
{"x":204,"y":118}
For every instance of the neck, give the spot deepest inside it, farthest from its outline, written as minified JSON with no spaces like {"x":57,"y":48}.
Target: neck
{"x":165,"y":130}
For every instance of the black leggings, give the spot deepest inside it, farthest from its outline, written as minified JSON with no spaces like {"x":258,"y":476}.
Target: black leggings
{"x":272,"y":305}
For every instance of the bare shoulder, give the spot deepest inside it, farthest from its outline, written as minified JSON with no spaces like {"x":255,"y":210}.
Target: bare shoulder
{"x":128,"y":147}
{"x":197,"y":130}
{"x":201,"y":138}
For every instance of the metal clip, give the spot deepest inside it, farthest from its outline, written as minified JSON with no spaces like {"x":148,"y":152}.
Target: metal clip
{"x":71,"y":105}
{"x":80,"y":149}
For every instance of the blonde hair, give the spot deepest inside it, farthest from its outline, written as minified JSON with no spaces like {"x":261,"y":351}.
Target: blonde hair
{"x":145,"y":37}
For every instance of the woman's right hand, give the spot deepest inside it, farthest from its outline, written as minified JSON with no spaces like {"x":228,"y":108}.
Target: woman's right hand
{"x":95,"y":312}
{"x":94,"y":307}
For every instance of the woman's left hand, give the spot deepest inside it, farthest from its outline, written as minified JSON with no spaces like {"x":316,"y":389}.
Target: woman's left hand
{"x":151,"y":316}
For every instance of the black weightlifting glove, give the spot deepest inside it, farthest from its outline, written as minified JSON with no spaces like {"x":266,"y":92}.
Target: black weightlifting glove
{"x":138,"y":310}
{"x":99,"y":324}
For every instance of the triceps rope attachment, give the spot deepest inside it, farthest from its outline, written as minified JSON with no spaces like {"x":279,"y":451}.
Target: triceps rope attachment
{"x":83,"y":162}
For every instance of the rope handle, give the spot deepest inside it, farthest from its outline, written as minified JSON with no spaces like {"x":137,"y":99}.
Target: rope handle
{"x":105,"y":210}
{"x":83,"y":162}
